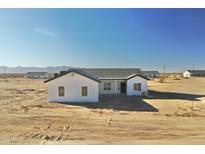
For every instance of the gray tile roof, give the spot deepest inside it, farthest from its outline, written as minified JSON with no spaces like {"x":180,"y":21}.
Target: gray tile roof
{"x":98,"y":74}
{"x":197,"y":71}
{"x":79,"y":71}
{"x":36,"y":73}
{"x":115,"y":73}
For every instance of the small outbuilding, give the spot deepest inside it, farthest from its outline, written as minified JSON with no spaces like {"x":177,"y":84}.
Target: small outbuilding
{"x":37,"y":75}
{"x":151,"y":74}
{"x":194,"y":73}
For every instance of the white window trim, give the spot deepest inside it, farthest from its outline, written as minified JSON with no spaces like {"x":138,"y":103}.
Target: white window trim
{"x":82,"y":91}
{"x":107,"y":88}
{"x":59,"y":91}
{"x":137,"y":87}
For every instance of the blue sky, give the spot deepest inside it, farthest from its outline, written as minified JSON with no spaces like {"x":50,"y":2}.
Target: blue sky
{"x":145,"y":38}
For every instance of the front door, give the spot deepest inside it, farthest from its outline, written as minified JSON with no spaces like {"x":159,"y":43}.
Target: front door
{"x":123,"y":87}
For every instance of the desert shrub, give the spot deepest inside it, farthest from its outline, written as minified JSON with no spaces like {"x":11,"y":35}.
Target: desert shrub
{"x":163,"y":77}
{"x":29,"y":90}
{"x":14,"y":91}
{"x":168,"y":115}
{"x":18,"y":91}
{"x":25,"y":108}
{"x":162,"y":80}
{"x":177,"y":77}
{"x":144,"y":93}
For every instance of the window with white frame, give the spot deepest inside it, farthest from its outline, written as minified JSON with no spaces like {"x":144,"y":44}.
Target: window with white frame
{"x":137,"y":87}
{"x":61,"y":91}
{"x":107,"y":86}
{"x":84,"y":91}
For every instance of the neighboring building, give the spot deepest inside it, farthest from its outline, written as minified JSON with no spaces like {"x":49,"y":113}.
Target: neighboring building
{"x":37,"y":75}
{"x":151,"y":74}
{"x":51,"y":75}
{"x":85,"y":85}
{"x":194,"y":73}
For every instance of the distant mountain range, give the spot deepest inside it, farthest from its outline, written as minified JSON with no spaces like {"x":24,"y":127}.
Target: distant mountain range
{"x":20,"y":69}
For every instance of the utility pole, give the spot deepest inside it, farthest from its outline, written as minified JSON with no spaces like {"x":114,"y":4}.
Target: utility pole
{"x":193,"y":70}
{"x":4,"y":72}
{"x":164,"y":68}
{"x":192,"y":106}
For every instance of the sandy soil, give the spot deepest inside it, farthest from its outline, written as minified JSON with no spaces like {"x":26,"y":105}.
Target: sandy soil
{"x":173,"y":114}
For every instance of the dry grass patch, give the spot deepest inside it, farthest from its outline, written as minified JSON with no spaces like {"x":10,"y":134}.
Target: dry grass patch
{"x":173,"y":117}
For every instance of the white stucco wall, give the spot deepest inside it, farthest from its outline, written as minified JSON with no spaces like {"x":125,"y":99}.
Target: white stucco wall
{"x":130,"y":85}
{"x":186,"y":74}
{"x":72,"y":83}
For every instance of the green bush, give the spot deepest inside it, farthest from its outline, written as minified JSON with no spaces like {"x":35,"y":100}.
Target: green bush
{"x":144,"y":93}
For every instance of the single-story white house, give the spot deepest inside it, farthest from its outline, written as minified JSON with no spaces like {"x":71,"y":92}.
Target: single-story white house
{"x":85,"y":85}
{"x":37,"y":75}
{"x":194,"y":73}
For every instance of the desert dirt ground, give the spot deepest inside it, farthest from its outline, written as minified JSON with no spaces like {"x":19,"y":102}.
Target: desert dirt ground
{"x":174,"y":113}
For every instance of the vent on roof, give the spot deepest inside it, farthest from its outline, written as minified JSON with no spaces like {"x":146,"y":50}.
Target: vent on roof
{"x":55,"y":75}
{"x":72,"y":74}
{"x":63,"y":72}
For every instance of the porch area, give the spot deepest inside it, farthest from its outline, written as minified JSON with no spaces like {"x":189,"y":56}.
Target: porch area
{"x":113,"y":87}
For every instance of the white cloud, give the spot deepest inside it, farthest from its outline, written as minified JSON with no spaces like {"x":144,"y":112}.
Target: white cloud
{"x":47,"y":33}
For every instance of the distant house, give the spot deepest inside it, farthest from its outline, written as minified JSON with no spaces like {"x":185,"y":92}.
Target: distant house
{"x":37,"y":75}
{"x":85,"y":85}
{"x":151,"y":74}
{"x":194,"y":73}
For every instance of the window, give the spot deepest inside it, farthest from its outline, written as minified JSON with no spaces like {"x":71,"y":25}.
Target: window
{"x":137,"y":86}
{"x":60,"y":91}
{"x":84,"y":91}
{"x":107,"y":86}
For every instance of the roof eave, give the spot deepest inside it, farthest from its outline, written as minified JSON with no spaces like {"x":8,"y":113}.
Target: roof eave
{"x":97,"y":80}
{"x":139,"y":76}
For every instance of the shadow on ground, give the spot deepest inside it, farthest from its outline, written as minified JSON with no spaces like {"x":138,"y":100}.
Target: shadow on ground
{"x":119,"y":103}
{"x":171,"y":95}
{"x":134,"y":103}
